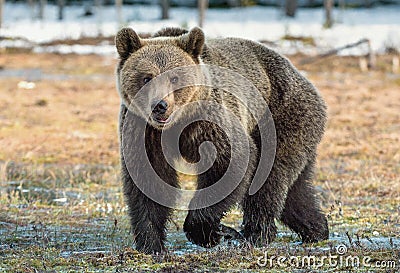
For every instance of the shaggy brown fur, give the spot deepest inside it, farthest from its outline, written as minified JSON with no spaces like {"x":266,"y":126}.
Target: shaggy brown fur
{"x":299,"y":114}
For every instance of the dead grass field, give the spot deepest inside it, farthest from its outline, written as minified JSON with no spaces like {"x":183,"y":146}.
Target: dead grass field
{"x":61,"y":206}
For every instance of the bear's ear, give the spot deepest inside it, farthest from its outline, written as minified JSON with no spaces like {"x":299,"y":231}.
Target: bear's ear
{"x":193,"y":42}
{"x":127,"y":42}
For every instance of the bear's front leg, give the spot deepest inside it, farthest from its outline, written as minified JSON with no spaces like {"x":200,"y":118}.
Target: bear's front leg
{"x":202,"y":229}
{"x":205,"y":230}
{"x":148,"y":218}
{"x":203,"y":226}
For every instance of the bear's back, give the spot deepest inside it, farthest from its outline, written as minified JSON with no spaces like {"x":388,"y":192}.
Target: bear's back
{"x":240,"y":56}
{"x":270,"y":72}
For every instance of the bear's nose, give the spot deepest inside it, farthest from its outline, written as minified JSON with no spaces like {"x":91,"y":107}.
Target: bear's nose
{"x":159,"y":107}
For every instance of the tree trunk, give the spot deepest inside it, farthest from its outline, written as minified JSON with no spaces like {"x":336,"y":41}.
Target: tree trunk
{"x":290,"y":8}
{"x":31,"y":4}
{"x":328,"y":4}
{"x":60,"y":4}
{"x":118,"y":5}
{"x":371,"y":57}
{"x":164,"y":9}
{"x":42,"y":6}
{"x":1,"y":12}
{"x":202,"y":5}
{"x":98,"y":6}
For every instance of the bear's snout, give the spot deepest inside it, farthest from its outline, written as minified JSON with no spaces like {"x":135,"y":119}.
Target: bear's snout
{"x":159,"y":107}
{"x":159,"y":111}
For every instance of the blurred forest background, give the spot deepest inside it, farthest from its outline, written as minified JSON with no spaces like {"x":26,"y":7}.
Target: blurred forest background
{"x":37,"y":7}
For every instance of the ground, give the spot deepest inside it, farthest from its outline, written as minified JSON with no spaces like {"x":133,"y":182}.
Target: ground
{"x":61,"y":203}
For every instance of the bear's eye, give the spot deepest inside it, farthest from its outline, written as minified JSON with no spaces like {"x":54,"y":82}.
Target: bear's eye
{"x":174,"y":79}
{"x":146,"y":79}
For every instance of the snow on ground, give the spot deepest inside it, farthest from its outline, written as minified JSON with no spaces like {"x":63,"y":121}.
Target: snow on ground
{"x":381,"y":25}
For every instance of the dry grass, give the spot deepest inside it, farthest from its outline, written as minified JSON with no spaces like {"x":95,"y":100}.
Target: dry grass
{"x":60,"y":121}
{"x":59,"y":140}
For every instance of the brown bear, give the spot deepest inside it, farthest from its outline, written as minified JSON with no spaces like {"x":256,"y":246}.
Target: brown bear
{"x":298,"y":112}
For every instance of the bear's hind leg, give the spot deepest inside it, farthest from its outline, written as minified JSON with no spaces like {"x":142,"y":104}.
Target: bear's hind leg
{"x":260,"y":210}
{"x":302,"y":212}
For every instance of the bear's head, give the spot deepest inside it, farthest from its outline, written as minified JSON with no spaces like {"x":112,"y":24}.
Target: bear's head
{"x":152,"y":77}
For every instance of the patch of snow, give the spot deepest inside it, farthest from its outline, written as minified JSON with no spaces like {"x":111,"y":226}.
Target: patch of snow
{"x":77,"y":49}
{"x":380,"y":25}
